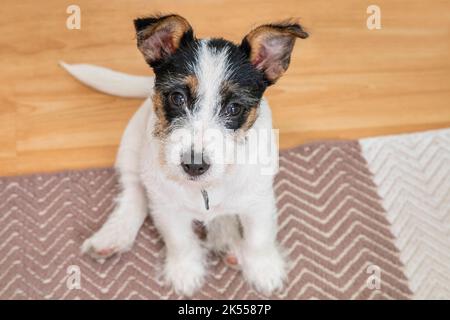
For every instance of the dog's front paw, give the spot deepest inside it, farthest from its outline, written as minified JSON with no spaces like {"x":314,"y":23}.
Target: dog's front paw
{"x":185,"y":274}
{"x":265,"y":271}
{"x":109,"y":240}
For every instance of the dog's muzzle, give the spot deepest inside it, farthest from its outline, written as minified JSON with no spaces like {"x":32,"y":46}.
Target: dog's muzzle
{"x":196,"y":166}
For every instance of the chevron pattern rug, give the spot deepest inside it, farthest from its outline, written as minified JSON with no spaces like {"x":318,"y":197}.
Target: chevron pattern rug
{"x":367,"y":219}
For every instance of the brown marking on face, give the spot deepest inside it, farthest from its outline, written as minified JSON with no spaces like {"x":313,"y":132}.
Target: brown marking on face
{"x":161,"y":125}
{"x":192,"y":83}
{"x":161,"y":156}
{"x":252,"y":114}
{"x":228,"y":86}
{"x":251,"y":118}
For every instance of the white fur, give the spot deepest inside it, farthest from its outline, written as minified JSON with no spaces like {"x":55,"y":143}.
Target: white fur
{"x":174,"y":202}
{"x":210,"y":70}
{"x":202,"y":122}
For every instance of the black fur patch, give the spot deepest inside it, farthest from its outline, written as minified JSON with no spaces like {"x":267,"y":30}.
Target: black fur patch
{"x":170,"y":76}
{"x":245,"y":85}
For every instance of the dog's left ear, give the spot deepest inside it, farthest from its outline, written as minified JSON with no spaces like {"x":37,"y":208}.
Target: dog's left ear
{"x":158,"y":37}
{"x":269,"y":47}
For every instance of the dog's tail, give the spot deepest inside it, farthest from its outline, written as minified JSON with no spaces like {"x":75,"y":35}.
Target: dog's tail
{"x":111,"y":82}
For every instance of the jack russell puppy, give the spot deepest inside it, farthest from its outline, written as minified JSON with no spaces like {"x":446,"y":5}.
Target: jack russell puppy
{"x":180,"y":158}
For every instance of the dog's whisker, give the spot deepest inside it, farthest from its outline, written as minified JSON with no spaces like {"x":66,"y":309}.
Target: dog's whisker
{"x":201,"y":87}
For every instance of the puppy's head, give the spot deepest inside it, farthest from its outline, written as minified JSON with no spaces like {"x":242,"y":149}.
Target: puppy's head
{"x":207,"y":91}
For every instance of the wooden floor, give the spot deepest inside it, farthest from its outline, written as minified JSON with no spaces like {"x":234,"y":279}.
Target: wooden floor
{"x":345,"y":81}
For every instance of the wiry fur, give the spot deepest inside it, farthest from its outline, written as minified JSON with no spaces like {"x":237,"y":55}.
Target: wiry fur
{"x":242,"y":211}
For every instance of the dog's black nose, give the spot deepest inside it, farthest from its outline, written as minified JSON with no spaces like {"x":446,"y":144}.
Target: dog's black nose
{"x":195,"y":169}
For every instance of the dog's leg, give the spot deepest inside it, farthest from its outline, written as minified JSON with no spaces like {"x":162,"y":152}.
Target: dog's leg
{"x":185,"y":259}
{"x":120,"y":230}
{"x":224,"y":237}
{"x":262,"y":262}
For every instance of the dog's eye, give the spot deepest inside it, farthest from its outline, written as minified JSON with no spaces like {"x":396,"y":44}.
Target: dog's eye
{"x":177,"y":99}
{"x":233,"y":110}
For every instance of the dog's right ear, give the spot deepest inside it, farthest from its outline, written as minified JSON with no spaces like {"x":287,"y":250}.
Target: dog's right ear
{"x":158,"y":37}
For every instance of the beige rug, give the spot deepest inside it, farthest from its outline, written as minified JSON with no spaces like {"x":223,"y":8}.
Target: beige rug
{"x":366,"y":219}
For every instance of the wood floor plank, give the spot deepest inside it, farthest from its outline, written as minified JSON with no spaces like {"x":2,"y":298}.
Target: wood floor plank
{"x":345,"y":81}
